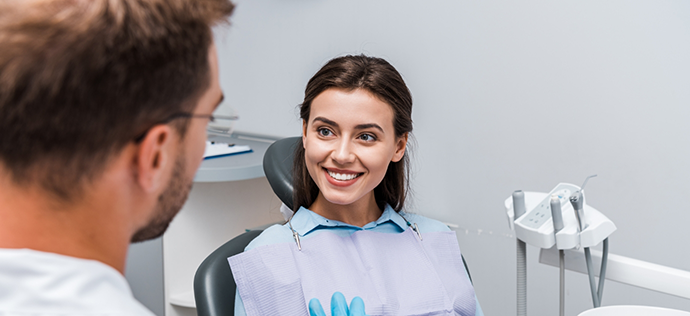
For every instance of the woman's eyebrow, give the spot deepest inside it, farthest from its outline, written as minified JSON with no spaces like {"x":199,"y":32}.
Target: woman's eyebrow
{"x":370,"y":125}
{"x":325,"y":120}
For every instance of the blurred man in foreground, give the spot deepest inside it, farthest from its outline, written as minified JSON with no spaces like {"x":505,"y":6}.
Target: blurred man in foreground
{"x":103,"y":112}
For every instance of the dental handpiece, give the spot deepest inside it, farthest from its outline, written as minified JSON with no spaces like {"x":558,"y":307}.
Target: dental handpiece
{"x":556,"y":213}
{"x":519,"y":208}
{"x":578,"y":203}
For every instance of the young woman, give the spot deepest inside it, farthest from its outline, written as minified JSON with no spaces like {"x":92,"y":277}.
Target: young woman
{"x":349,"y":232}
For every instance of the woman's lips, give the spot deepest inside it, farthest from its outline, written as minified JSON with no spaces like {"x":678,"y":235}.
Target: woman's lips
{"x":340,"y":177}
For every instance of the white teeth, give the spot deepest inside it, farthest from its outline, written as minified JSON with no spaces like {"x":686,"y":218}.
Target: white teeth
{"x":343,"y":177}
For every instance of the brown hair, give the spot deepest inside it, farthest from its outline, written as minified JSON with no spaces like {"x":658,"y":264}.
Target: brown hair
{"x":380,"y":78}
{"x":80,"y":79}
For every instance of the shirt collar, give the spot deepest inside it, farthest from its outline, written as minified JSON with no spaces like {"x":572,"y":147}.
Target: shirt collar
{"x":305,"y":221}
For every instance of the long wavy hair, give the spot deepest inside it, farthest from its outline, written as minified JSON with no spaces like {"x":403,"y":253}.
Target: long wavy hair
{"x":380,"y":78}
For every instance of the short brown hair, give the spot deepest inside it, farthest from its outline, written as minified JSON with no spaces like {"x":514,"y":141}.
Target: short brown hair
{"x":79,"y":79}
{"x":380,"y":78}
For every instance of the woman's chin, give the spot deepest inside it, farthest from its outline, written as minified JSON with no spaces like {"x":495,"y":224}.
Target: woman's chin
{"x":340,"y":201}
{"x":339,"y":198}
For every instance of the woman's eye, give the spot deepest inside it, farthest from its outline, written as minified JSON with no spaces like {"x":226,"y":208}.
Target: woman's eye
{"x":324,"y":132}
{"x":367,"y":137}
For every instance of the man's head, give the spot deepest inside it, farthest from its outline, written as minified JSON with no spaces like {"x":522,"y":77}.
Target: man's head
{"x":187,"y":161}
{"x":81,"y":81}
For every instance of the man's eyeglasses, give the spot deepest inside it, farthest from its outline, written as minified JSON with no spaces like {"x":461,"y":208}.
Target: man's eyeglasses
{"x":212,"y":118}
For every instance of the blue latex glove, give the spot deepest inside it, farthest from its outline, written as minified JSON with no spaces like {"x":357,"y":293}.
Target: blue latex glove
{"x":338,"y":306}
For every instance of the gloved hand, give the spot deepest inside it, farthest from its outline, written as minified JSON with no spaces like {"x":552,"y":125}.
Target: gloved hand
{"x":338,"y":306}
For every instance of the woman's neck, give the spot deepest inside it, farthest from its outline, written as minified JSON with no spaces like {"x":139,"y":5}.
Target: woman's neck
{"x":359,"y":213}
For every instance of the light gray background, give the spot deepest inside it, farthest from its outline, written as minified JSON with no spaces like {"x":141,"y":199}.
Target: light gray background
{"x":508,"y":95}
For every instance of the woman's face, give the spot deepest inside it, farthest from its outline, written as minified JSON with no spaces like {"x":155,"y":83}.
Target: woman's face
{"x":349,"y":141}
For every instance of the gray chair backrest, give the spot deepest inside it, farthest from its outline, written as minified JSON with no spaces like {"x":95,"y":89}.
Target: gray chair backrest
{"x":278,"y":161}
{"x":214,"y":286}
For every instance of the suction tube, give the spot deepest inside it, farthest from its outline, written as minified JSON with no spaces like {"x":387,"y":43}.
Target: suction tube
{"x":561,"y":290}
{"x":521,"y":278}
{"x":519,"y":210}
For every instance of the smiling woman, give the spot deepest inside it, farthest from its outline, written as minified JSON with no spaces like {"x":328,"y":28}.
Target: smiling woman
{"x":351,"y":181}
{"x":360,"y":80}
{"x":349,"y":144}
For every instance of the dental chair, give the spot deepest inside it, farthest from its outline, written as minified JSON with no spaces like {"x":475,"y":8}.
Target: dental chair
{"x":214,"y":285}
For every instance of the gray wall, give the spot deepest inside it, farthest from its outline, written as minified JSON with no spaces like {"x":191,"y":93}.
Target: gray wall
{"x":508,"y":95}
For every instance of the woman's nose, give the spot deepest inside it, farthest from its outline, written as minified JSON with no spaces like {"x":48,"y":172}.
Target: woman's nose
{"x":343,"y":152}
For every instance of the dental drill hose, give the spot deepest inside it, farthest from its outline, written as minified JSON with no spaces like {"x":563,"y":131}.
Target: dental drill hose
{"x":577,"y":200}
{"x":519,"y":210}
{"x":557,"y":216}
{"x":578,"y":203}
{"x":602,"y":272}
{"x":590,"y":273}
{"x":597,"y":294}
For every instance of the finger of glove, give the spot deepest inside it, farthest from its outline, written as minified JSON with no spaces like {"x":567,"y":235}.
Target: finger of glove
{"x":315,"y":308}
{"x":339,"y":305}
{"x":357,"y":307}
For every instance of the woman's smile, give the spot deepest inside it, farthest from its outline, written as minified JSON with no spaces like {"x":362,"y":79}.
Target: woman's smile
{"x":342,"y":177}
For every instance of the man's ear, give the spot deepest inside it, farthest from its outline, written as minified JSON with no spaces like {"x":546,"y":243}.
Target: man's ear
{"x":400,"y":145}
{"x":153,"y":157}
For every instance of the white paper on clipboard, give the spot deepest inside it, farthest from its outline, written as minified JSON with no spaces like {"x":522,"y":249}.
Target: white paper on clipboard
{"x":216,"y":149}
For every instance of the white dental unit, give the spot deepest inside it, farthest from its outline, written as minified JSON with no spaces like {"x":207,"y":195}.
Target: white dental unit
{"x":565,"y":227}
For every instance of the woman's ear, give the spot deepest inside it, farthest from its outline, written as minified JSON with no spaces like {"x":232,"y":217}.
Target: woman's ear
{"x":400,"y":145}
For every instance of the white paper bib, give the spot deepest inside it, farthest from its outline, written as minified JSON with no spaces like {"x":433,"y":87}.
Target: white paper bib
{"x":395,"y":274}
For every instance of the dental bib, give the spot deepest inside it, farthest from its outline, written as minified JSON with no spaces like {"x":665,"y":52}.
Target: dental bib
{"x":395,"y":274}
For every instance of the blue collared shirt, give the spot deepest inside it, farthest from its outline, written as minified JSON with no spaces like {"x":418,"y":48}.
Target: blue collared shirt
{"x":309,"y":224}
